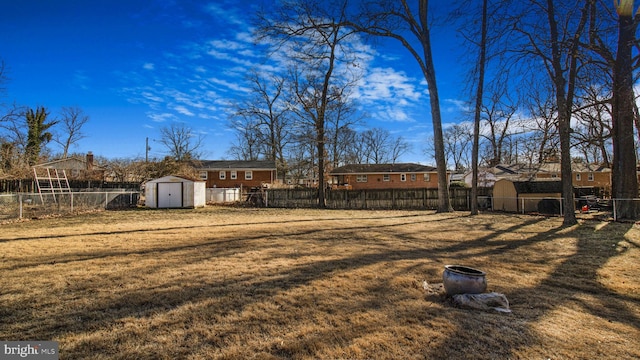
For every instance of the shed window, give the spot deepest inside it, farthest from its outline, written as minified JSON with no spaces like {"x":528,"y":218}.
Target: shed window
{"x":413,"y":177}
{"x":248,"y":175}
{"x":403,"y":177}
{"x":203,"y":175}
{"x":427,"y":177}
{"x":578,"y":177}
{"x":223,"y":175}
{"x":590,"y":178}
{"x":234,"y":175}
{"x":386,"y":177}
{"x":361,"y":178}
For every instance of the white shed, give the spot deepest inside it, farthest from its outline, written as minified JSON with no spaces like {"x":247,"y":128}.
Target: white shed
{"x":175,"y":192}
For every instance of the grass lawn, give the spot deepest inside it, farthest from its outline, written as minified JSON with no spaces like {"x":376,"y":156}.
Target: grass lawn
{"x":233,"y":283}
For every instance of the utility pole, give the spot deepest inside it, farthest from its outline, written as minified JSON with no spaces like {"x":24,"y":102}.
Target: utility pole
{"x":146,"y":151}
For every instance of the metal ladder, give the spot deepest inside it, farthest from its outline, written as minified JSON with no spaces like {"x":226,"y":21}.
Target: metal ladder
{"x":50,"y":181}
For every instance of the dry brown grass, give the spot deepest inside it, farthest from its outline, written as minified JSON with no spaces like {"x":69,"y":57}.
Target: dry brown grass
{"x":231,"y":283}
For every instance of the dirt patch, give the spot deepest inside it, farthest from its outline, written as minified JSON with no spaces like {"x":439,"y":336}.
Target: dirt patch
{"x":305,"y":284}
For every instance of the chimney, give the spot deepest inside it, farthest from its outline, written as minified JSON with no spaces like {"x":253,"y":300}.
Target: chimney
{"x":89,"y":161}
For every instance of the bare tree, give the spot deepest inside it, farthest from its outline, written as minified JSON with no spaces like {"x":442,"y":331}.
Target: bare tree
{"x":541,"y":131}
{"x":315,"y":36}
{"x":411,"y":27}
{"x":479,"y":72}
{"x":625,"y":180}
{"x":498,"y":113}
{"x":341,"y":117}
{"x":379,"y":146}
{"x":248,"y":145}
{"x":550,"y":32}
{"x":72,"y":120}
{"x":457,"y":140}
{"x":181,"y":142}
{"x":592,"y":132}
{"x":262,"y":122}
{"x":344,"y":147}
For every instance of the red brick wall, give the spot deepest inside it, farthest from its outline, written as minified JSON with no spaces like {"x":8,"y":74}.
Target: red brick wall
{"x":600,"y":179}
{"x":259,"y":177}
{"x":376,"y":181}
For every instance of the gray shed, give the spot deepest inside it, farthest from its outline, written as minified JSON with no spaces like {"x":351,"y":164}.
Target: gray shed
{"x":175,"y":192}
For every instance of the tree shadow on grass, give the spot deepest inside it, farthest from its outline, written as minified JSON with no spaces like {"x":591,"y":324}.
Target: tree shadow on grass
{"x":281,"y":304}
{"x":575,"y":278}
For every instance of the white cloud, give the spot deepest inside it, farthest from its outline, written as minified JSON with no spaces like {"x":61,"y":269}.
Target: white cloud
{"x":151,"y":97}
{"x":161,"y":117}
{"x":229,"y":85}
{"x":387,"y":84}
{"x":183,"y":110}
{"x":148,"y":66}
{"x":455,"y":106}
{"x":219,"y":12}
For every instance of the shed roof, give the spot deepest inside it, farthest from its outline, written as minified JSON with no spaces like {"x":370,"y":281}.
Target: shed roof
{"x":381,"y":168}
{"x":538,"y":187}
{"x":175,"y":177}
{"x":237,"y":164}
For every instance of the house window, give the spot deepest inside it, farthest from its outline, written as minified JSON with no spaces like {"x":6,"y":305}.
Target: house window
{"x":403,"y":177}
{"x":413,"y":177}
{"x":203,"y":175}
{"x":223,"y":175}
{"x":386,"y":177}
{"x":590,"y":178}
{"x":361,"y":178}
{"x":427,"y":177}
{"x":234,"y":175}
{"x":248,"y":175}
{"x":578,"y":177}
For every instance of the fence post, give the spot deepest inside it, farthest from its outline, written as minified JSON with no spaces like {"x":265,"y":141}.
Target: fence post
{"x":615,"y":213}
{"x":72,"y":202}
{"x":424,"y":198}
{"x":20,"y":206}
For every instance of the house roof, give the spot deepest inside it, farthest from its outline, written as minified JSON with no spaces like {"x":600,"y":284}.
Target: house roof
{"x":68,"y":164}
{"x":381,"y":168}
{"x":575,"y":167}
{"x":236,"y":164}
{"x":538,"y":187}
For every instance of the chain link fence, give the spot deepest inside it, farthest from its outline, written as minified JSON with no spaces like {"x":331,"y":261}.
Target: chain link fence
{"x":34,"y":205}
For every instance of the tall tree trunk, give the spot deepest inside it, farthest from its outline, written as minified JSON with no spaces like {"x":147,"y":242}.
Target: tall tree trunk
{"x":564,"y":91}
{"x":476,"y":121}
{"x":444,"y":204}
{"x":625,"y":182}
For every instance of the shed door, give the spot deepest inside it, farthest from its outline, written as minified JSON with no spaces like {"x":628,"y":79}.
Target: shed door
{"x":170,"y":195}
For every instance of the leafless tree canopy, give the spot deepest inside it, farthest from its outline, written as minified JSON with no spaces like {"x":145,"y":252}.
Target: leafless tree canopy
{"x":181,"y":142}
{"x":72,"y":121}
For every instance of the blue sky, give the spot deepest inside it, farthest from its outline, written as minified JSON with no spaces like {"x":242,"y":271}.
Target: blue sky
{"x":136,"y":66}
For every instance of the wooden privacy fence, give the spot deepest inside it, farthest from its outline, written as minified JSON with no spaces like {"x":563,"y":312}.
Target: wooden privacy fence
{"x":367,"y":199}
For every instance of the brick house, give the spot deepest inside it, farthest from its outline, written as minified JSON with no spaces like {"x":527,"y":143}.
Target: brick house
{"x":583,"y":175}
{"x":385,"y":176}
{"x":236,"y":173}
